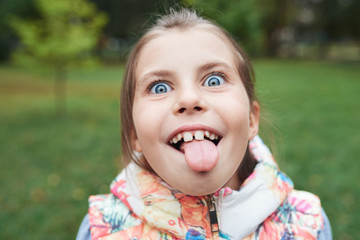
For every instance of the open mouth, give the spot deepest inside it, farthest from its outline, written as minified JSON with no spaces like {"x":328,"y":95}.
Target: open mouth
{"x":188,"y":136}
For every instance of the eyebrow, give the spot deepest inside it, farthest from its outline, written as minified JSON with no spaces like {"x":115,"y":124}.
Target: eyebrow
{"x":166,"y":74}
{"x":157,"y":74}
{"x":209,"y":66}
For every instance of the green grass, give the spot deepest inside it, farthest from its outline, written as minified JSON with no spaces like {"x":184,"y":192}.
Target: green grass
{"x":51,"y":164}
{"x":316,"y":107}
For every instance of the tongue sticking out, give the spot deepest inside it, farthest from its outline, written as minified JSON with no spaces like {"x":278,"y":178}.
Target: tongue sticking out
{"x":200,"y":155}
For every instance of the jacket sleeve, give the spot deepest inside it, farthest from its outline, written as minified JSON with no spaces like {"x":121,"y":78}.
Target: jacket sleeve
{"x":84,"y":230}
{"x":325,"y":234}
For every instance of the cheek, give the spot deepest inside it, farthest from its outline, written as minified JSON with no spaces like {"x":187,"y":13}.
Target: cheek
{"x":237,"y":113}
{"x":147,"y":121}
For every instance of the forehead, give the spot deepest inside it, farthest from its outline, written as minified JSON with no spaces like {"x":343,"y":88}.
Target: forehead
{"x":176,"y":48}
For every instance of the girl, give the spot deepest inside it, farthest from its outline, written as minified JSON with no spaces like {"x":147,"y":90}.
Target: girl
{"x":195,"y":167}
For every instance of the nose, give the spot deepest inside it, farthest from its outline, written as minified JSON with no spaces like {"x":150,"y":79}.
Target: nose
{"x":189,"y":100}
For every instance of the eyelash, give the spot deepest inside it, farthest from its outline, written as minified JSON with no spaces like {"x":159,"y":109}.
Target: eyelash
{"x":152,"y":84}
{"x":216,"y":74}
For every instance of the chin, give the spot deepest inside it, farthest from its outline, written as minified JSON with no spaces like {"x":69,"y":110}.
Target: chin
{"x":196,"y":193}
{"x":199,"y":189}
{"x":201,"y":193}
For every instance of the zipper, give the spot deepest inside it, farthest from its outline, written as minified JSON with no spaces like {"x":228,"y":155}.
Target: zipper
{"x":214,"y":225}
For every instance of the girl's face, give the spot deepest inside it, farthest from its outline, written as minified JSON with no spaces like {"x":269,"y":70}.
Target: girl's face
{"x":187,"y":86}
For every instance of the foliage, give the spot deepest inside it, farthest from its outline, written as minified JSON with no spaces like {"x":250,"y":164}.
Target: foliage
{"x":127,"y":18}
{"x":261,"y":25}
{"x":19,"y":7}
{"x":51,"y":165}
{"x":64,"y":34}
{"x":339,"y":20}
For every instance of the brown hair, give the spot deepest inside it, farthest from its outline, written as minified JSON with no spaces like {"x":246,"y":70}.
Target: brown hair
{"x":179,"y":20}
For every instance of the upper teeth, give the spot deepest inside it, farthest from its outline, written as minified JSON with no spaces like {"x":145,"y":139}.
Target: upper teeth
{"x":189,"y":136}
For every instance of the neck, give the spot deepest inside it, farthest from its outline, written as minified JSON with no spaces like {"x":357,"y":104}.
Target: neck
{"x":234,"y":182}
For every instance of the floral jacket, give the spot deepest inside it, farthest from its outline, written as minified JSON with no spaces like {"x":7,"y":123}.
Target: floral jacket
{"x":142,"y":206}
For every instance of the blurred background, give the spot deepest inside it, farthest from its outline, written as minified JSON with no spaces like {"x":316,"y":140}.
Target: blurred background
{"x":61,"y":67}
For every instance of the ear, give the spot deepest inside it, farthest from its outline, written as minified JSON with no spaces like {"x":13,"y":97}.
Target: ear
{"x":135,"y":141}
{"x":254,"y":118}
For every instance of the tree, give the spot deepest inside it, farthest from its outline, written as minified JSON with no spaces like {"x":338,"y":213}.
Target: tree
{"x":62,"y":37}
{"x":339,"y":19}
{"x":252,"y":22}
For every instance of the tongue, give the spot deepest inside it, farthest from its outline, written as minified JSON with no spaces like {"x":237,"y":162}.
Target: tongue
{"x":200,"y":155}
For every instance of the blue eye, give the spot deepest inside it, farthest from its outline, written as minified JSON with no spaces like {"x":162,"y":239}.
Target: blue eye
{"x":160,"y":88}
{"x":214,"y":81}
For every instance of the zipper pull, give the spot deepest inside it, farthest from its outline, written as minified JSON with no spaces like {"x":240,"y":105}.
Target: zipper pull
{"x":213,"y":215}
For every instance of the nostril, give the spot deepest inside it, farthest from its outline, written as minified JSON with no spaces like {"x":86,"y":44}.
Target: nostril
{"x":196,"y":108}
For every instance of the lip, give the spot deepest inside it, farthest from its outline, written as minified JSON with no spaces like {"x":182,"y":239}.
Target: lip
{"x":193,"y":127}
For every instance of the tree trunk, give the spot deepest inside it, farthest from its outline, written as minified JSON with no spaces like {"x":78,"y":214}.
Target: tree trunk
{"x":60,"y":90}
